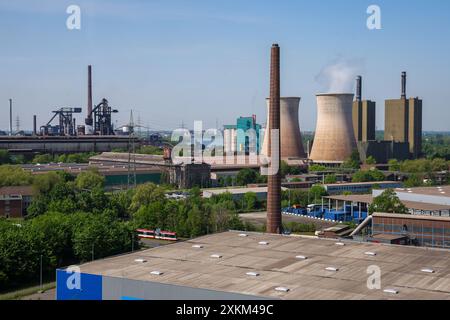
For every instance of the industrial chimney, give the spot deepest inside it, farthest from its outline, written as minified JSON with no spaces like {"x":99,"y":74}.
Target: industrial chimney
{"x":10,"y":117}
{"x":358,"y":88}
{"x":89,"y":120}
{"x":403,"y":85}
{"x":274,"y":178}
{"x":334,"y":139}
{"x":290,"y":135}
{"x":34,"y":126}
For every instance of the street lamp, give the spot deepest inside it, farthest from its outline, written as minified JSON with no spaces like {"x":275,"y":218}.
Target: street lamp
{"x":40,"y":276}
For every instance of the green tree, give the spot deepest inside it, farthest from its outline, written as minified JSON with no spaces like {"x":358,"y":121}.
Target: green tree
{"x":353,"y":162}
{"x":371,"y":160}
{"x":44,"y":183}
{"x":251,"y":201}
{"x":146,"y":194}
{"x":43,"y":158}
{"x":317,"y":192}
{"x":4,"y":157}
{"x":414,"y":180}
{"x":394,"y":165}
{"x":368,"y":176}
{"x":330,"y":179}
{"x":439,"y":164}
{"x":100,"y":236}
{"x":317,"y":168}
{"x":246,"y":176}
{"x":387,"y":202}
{"x":14,"y":176}
{"x":90,"y":179}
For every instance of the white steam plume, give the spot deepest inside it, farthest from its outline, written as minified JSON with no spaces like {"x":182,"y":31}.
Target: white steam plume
{"x":339,"y":75}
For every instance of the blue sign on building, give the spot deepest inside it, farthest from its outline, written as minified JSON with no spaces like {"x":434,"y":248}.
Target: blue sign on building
{"x":78,"y":286}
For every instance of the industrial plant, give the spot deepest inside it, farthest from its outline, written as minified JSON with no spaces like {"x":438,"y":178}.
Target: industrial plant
{"x":61,"y":134}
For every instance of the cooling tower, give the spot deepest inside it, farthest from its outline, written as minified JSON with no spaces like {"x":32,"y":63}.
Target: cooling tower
{"x":334,"y":139}
{"x":291,"y":139}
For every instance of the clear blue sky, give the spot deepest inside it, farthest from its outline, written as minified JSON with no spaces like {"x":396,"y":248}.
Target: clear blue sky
{"x":186,"y":60}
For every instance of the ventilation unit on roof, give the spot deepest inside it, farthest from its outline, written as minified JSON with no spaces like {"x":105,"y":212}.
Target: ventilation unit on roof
{"x":427,"y":270}
{"x":390,"y":291}
{"x":334,"y":269}
{"x":252,"y":274}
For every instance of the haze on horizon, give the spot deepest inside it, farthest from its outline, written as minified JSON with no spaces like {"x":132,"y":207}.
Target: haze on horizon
{"x":182,"y":60}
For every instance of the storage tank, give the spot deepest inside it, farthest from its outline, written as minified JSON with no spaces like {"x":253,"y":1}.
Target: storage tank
{"x":334,"y":139}
{"x":291,"y":138}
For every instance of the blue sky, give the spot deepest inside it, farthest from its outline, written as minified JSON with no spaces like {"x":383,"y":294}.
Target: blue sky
{"x":186,"y":60}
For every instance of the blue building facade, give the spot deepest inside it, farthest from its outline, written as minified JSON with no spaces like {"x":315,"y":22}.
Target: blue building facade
{"x":247,"y":135}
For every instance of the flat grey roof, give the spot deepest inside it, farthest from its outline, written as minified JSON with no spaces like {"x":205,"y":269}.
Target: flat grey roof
{"x":278,"y":266}
{"x":441,"y":191}
{"x":368,"y":198}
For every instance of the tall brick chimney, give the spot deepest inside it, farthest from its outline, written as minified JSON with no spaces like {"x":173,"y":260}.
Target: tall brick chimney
{"x":274,"y":178}
{"x":89,"y":120}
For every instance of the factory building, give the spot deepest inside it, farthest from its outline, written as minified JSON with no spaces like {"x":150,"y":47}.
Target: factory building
{"x":252,"y":266}
{"x":242,"y":138}
{"x":14,"y":201}
{"x":424,"y":231}
{"x":360,"y":187}
{"x":364,"y":114}
{"x":383,"y":151}
{"x":403,"y":127}
{"x":334,"y":140}
{"x":403,"y":121}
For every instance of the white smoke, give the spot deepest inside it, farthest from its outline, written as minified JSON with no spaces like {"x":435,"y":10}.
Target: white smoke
{"x":339,"y":75}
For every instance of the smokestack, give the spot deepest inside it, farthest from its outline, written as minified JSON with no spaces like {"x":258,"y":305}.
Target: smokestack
{"x":10,"y":117}
{"x":34,"y":126}
{"x":89,"y":107}
{"x":274,"y":178}
{"x":358,"y":88}
{"x":403,"y":85}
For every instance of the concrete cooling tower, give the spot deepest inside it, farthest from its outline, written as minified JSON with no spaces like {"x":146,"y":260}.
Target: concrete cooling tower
{"x":334,"y":139}
{"x":291,"y":139}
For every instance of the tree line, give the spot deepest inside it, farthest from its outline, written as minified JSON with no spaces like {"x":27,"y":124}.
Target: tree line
{"x":72,"y":220}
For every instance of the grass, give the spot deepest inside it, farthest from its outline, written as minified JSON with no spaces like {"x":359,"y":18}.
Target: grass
{"x":16,"y":295}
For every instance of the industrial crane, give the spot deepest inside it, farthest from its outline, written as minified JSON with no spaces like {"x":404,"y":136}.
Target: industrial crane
{"x":67,"y":124}
{"x":101,"y":116}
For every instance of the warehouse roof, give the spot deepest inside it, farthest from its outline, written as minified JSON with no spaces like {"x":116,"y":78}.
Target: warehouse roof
{"x":238,"y":191}
{"x":368,"y":198}
{"x":13,"y":191}
{"x":411,"y":216}
{"x":222,"y":262}
{"x":441,"y":191}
